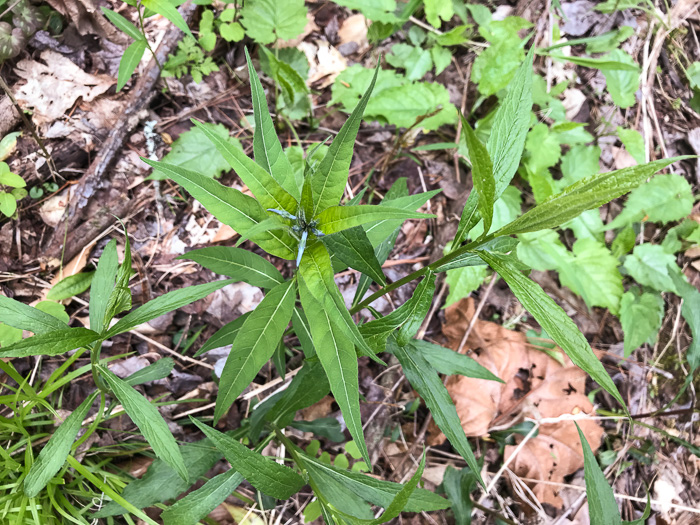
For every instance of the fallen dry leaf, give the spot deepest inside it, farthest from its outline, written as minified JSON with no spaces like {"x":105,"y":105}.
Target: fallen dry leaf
{"x":536,"y":387}
{"x":52,"y":87}
{"x":87,"y":19}
{"x":325,"y":63}
{"x":354,"y":30}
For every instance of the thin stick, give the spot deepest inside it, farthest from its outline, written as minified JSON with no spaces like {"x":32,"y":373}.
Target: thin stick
{"x":171,"y":352}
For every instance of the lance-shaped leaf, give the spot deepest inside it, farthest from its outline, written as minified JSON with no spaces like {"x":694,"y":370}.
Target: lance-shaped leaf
{"x":482,"y":174}
{"x":164,"y":304}
{"x":501,"y":245}
{"x":266,"y":189}
{"x":317,"y":273}
{"x":402,"y":497}
{"x":123,"y":24}
{"x":158,"y":370}
{"x":19,"y":315}
{"x":70,"y":286}
{"x":337,"y":354}
{"x":376,"y":491}
{"x":224,"y":335}
{"x":303,"y":333}
{"x":169,"y":11}
{"x":378,"y":231}
{"x":554,"y":320}
{"x":272,"y":223}
{"x":329,"y":179}
{"x":338,"y":218}
{"x":54,"y":454}
{"x":229,"y":206}
{"x":255,"y":344}
{"x":449,"y":362}
{"x":266,"y":144}
{"x":130,"y":60}
{"x":586,"y":194}
{"x":407,"y":318}
{"x":102,"y":285}
{"x":425,"y":379}
{"x":240,"y":264}
{"x":352,"y":246}
{"x":120,"y":295}
{"x":51,"y":343}
{"x":199,"y":503}
{"x":263,"y":473}
{"x":149,"y":421}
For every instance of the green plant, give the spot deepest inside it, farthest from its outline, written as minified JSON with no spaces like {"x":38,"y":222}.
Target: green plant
{"x":11,"y":190}
{"x":298,"y":215}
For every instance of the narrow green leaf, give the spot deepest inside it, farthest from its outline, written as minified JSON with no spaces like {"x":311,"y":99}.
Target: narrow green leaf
{"x":554,"y":320}
{"x":164,"y":304}
{"x":482,"y":174}
{"x":449,"y":362}
{"x":603,"y":63}
{"x":55,"y":342}
{"x":102,"y":285}
{"x":19,"y":315}
{"x":352,"y":246}
{"x":458,"y":485}
{"x":375,"y":491}
{"x":148,"y":420}
{"x":401,"y":499}
{"x":263,"y":473}
{"x":601,"y":500}
{"x":266,"y":144}
{"x":337,"y":354}
{"x":423,"y":300}
{"x":469,"y":218}
{"x":224,"y":335}
{"x":327,"y":427}
{"x":338,"y":218}
{"x":123,"y":24}
{"x":255,"y":344}
{"x":586,"y":194}
{"x":119,"y":299}
{"x":501,"y":245}
{"x":328,"y":182}
{"x":169,"y":11}
{"x":266,"y":189}
{"x":425,"y":379}
{"x":70,"y":286}
{"x":242,"y":265}
{"x":53,"y":455}
{"x":158,"y":370}
{"x":272,"y":223}
{"x":229,"y":206}
{"x":199,"y":503}
{"x":303,"y":333}
{"x":378,"y":231}
{"x":129,"y":62}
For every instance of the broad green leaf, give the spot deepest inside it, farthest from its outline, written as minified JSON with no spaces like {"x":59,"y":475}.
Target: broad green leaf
{"x":55,"y":309}
{"x":542,"y":149}
{"x":263,"y":473}
{"x":130,"y":61}
{"x":8,"y":144}
{"x":293,"y":99}
{"x":505,"y":210}
{"x":148,"y":420}
{"x":53,"y":454}
{"x":338,"y":218}
{"x":415,"y":60}
{"x":650,"y":265}
{"x":435,"y":10}
{"x":375,"y":10}
{"x":158,"y":370}
{"x":482,"y":174}
{"x":633,"y":142}
{"x":496,"y":66}
{"x":592,"y":273}
{"x":102,"y":285}
{"x":169,"y":11}
{"x":665,"y":198}
{"x":329,"y":179}
{"x":622,"y":84}
{"x":55,"y":342}
{"x":224,"y":336}
{"x":588,"y":225}
{"x":458,"y":485}
{"x":690,"y":309}
{"x":8,"y":204}
{"x":601,"y":499}
{"x":352,"y":246}
{"x":70,"y":286}
{"x":123,"y":24}
{"x":463,"y":281}
{"x":192,"y":146}
{"x":449,"y":362}
{"x":266,"y":189}
{"x":425,"y":379}
{"x":327,"y":427}
{"x":641,"y":315}
{"x":199,"y":503}
{"x":266,"y":144}
{"x":510,"y":125}
{"x":337,"y":354}
{"x":381,"y":230}
{"x":554,"y":321}
{"x":580,"y":161}
{"x":586,"y":194}
{"x":240,"y":264}
{"x":255,"y":344}
{"x":230,"y":207}
{"x":368,"y":488}
{"x":19,"y":315}
{"x":267,"y":20}
{"x":161,"y":483}
{"x":542,"y":250}
{"x":164,"y":304}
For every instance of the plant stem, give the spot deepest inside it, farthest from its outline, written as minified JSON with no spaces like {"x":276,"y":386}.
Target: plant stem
{"x":148,"y":44}
{"x":418,"y":273}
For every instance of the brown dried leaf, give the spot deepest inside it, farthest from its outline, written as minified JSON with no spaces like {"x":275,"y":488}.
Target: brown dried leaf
{"x":88,"y":19}
{"x":536,"y":386}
